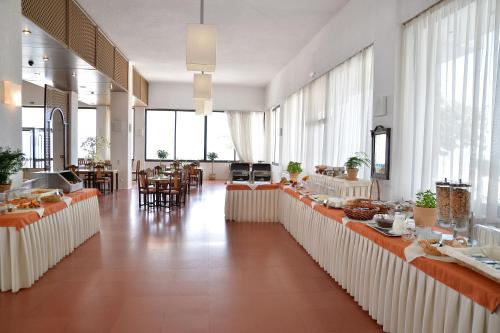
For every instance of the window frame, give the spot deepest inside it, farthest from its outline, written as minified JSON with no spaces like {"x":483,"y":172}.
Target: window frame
{"x":33,"y":142}
{"x":205,"y":127}
{"x":275,"y":160}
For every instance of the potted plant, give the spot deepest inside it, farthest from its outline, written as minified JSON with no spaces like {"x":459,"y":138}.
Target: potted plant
{"x":425,"y":209}
{"x":294,"y":169}
{"x":212,"y":157}
{"x":11,"y":161}
{"x":93,"y":145}
{"x":162,"y":155}
{"x":354,"y":163}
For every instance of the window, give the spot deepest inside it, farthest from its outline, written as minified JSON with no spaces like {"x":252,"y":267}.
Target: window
{"x":330,"y":118}
{"x":160,"y":133}
{"x":275,"y":134}
{"x":187,"y":136}
{"x":190,"y":136}
{"x":86,"y":127}
{"x":32,"y":136}
{"x":218,"y":137}
{"x":450,"y":115}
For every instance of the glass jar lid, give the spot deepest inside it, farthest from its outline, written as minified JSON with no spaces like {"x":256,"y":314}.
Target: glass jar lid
{"x":443,"y":183}
{"x":460,"y":184}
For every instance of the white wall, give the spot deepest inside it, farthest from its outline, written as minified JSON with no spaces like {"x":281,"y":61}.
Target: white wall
{"x":10,"y":70}
{"x":358,"y":24}
{"x":225,"y":97}
{"x":180,"y":96}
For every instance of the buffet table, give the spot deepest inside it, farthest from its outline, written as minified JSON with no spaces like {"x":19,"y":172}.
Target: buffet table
{"x":252,"y":202}
{"x":422,"y":296}
{"x":340,"y":187}
{"x":30,"y":244}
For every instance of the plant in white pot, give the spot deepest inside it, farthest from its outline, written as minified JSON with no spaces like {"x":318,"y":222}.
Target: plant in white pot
{"x":424,"y":211}
{"x":354,"y":163}
{"x":294,"y":169}
{"x":212,"y":157}
{"x":11,"y":161}
{"x":162,"y":155}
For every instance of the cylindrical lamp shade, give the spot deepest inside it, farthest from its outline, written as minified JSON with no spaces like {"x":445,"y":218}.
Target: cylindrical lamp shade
{"x":203,"y":107}
{"x":202,"y":86}
{"x":201,"y":47}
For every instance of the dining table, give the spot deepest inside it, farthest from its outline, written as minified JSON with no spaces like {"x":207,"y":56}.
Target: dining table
{"x":113,"y":174}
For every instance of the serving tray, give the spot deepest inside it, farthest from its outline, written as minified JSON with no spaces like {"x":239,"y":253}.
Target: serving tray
{"x":383,"y":231}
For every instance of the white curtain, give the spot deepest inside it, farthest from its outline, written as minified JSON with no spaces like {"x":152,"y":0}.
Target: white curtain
{"x":247,"y":133}
{"x":349,"y":114}
{"x":330,"y":119}
{"x":450,"y":113}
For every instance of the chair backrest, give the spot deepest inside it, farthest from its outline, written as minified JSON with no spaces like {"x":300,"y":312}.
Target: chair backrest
{"x":240,"y":166}
{"x":158,"y":169}
{"x":81,"y":162}
{"x":186,"y":171}
{"x":108,"y":165}
{"x":73,"y":168}
{"x":99,"y":170}
{"x":138,"y":166}
{"x":149,"y":172}
{"x":142,"y":178}
{"x":176,"y":180}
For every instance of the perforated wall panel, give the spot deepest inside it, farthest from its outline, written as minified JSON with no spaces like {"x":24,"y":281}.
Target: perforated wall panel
{"x":50,"y":15}
{"x":105,"y":55}
{"x":81,"y":33}
{"x":121,"y":70}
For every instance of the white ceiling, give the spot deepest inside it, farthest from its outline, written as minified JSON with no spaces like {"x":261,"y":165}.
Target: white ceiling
{"x":256,"y":38}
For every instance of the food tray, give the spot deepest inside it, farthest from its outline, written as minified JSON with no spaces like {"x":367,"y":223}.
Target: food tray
{"x":480,"y":259}
{"x":383,"y":231}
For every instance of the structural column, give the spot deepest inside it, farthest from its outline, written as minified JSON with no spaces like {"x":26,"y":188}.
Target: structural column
{"x":121,"y":135}
{"x":73,"y":129}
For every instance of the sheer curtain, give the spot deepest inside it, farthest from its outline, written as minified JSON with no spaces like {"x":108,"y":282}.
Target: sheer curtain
{"x":329,"y":119}
{"x":450,"y":119}
{"x":349,"y":114}
{"x":247,"y":133}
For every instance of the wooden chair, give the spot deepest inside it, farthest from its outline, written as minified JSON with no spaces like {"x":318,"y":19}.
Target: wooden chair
{"x":136,"y":167}
{"x":194,"y":175}
{"x":81,"y":162}
{"x":185,"y":178}
{"x":150,"y":172}
{"x":172,"y":194}
{"x":146,"y":191}
{"x":101,"y":181}
{"x":73,"y":168}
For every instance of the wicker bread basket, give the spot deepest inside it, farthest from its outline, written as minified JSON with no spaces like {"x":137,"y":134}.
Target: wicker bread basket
{"x":361,"y":211}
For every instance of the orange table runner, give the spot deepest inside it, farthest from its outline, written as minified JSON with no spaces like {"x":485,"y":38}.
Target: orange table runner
{"x":22,"y":219}
{"x":477,"y":287}
{"x":243,"y":187}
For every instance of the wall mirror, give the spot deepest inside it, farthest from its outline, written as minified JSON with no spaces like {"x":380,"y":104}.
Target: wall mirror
{"x":381,"y":152}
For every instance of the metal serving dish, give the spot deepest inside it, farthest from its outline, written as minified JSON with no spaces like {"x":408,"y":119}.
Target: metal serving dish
{"x":64,"y":180}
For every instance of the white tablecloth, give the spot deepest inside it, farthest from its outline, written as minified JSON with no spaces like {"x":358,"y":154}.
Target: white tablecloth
{"x":26,"y":254}
{"x":252,"y":205}
{"x":397,"y":295}
{"x":340,"y":187}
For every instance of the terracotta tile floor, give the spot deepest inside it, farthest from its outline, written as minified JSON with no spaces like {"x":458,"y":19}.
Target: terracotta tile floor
{"x":187,"y":271}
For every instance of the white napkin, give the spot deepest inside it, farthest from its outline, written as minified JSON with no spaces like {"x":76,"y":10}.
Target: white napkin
{"x":313,"y":204}
{"x":67,"y":201}
{"x":252,"y":186}
{"x":39,"y":211}
{"x":413,"y":251}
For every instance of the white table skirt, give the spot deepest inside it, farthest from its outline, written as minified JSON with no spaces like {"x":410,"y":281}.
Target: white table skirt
{"x":397,"y":295}
{"x":252,"y":205}
{"x":340,"y":187}
{"x":26,"y":254}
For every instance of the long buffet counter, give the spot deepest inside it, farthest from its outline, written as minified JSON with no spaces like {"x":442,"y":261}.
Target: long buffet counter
{"x":31,"y":242}
{"x":423,"y":295}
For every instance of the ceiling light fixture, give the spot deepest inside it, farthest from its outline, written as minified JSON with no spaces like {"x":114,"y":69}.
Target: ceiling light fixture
{"x":201,"y":45}
{"x":203,"y":107}
{"x":45,"y":58}
{"x":202,"y":86}
{"x":73,"y":74}
{"x":26,"y":31}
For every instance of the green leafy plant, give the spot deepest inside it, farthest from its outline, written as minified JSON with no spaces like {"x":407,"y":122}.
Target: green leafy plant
{"x":358,"y":160}
{"x":11,"y":161}
{"x":294,"y":167}
{"x":426,"y":199}
{"x":162,"y":154}
{"x":212,"y":157}
{"x":92,"y":145}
